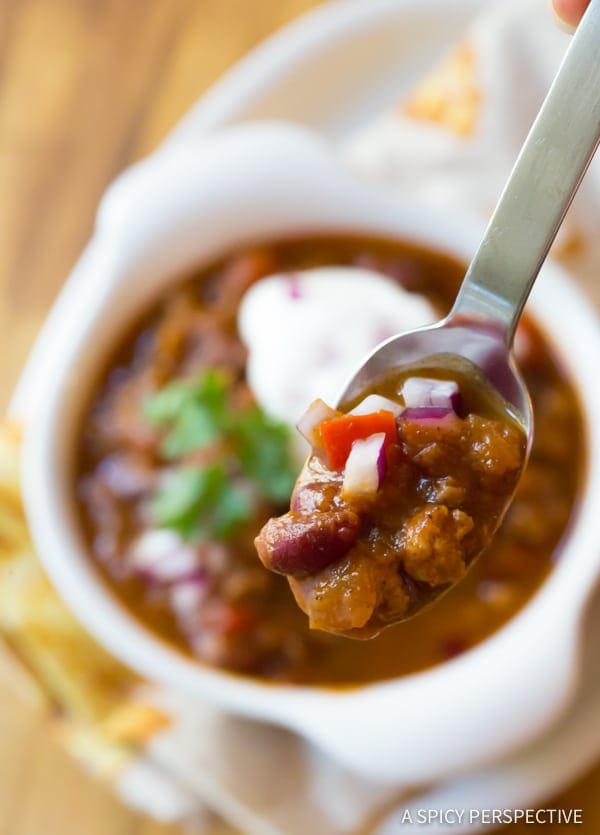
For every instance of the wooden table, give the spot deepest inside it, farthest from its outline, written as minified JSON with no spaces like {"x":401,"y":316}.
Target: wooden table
{"x":87,"y":87}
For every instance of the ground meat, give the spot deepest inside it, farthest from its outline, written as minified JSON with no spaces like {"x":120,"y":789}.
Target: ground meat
{"x":493,"y":448}
{"x":311,"y":497}
{"x":432,"y":545}
{"x":445,"y":491}
{"x":343,"y":598}
{"x":435,"y":449}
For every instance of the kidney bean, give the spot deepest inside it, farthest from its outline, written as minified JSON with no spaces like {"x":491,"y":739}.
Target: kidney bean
{"x":301,"y":545}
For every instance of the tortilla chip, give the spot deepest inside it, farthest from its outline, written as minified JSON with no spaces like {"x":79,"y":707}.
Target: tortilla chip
{"x":134,"y":723}
{"x":450,"y":95}
{"x":97,"y":755}
{"x":100,"y":714}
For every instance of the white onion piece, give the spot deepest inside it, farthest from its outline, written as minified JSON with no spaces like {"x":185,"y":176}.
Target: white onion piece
{"x":424,"y":391}
{"x":162,"y":556}
{"x":374,"y":403}
{"x":317,"y":412}
{"x":365,"y":467}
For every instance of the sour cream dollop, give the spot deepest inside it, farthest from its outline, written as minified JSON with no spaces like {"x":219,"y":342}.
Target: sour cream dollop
{"x":306,"y":332}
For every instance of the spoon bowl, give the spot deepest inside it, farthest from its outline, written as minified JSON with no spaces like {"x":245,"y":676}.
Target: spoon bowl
{"x":451,"y":342}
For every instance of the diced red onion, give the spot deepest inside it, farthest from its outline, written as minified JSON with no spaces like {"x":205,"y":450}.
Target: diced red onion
{"x":161,"y":556}
{"x":365,"y":467}
{"x":317,"y":412}
{"x":187,"y":596}
{"x":424,"y":391}
{"x":126,"y":475}
{"x":430,"y":415}
{"x":374,"y":403}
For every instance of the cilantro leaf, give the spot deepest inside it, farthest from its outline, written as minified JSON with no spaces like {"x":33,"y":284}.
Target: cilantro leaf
{"x":184,"y":494}
{"x":168,"y":403}
{"x":195,"y":428}
{"x":233,"y":509}
{"x":193,"y":411}
{"x":265,"y":454}
{"x":201,"y":502}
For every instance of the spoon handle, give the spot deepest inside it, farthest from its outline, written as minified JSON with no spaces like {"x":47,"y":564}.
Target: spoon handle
{"x":541,"y":186}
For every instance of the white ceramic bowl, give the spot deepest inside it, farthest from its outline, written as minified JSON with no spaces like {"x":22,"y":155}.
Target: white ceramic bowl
{"x":176,"y":211}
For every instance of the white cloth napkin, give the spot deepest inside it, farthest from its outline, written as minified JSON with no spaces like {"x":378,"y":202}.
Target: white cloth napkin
{"x":263,"y":780}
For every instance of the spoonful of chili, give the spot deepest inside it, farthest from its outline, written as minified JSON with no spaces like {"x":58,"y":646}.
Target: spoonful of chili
{"x":409,"y":478}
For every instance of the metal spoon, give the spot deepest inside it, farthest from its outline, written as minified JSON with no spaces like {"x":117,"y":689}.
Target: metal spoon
{"x":481,"y":325}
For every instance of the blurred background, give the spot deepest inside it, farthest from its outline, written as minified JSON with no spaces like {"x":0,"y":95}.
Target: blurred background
{"x":86,"y":88}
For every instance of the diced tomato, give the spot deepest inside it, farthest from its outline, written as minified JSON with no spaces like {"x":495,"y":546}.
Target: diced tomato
{"x":224,"y":619}
{"x":339,"y":433}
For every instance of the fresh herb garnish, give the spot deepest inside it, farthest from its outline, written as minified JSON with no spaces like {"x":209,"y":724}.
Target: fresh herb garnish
{"x":194,"y":412}
{"x":264,"y":450}
{"x":200,"y":503}
{"x":253,"y":458}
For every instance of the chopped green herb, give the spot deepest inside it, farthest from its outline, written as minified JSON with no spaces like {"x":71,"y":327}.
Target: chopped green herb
{"x":233,"y":509}
{"x":182,"y":496}
{"x":264,"y":451}
{"x":254,"y":458}
{"x":195,"y":428}
{"x":200,"y":503}
{"x":194,"y":412}
{"x":167,"y":405}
